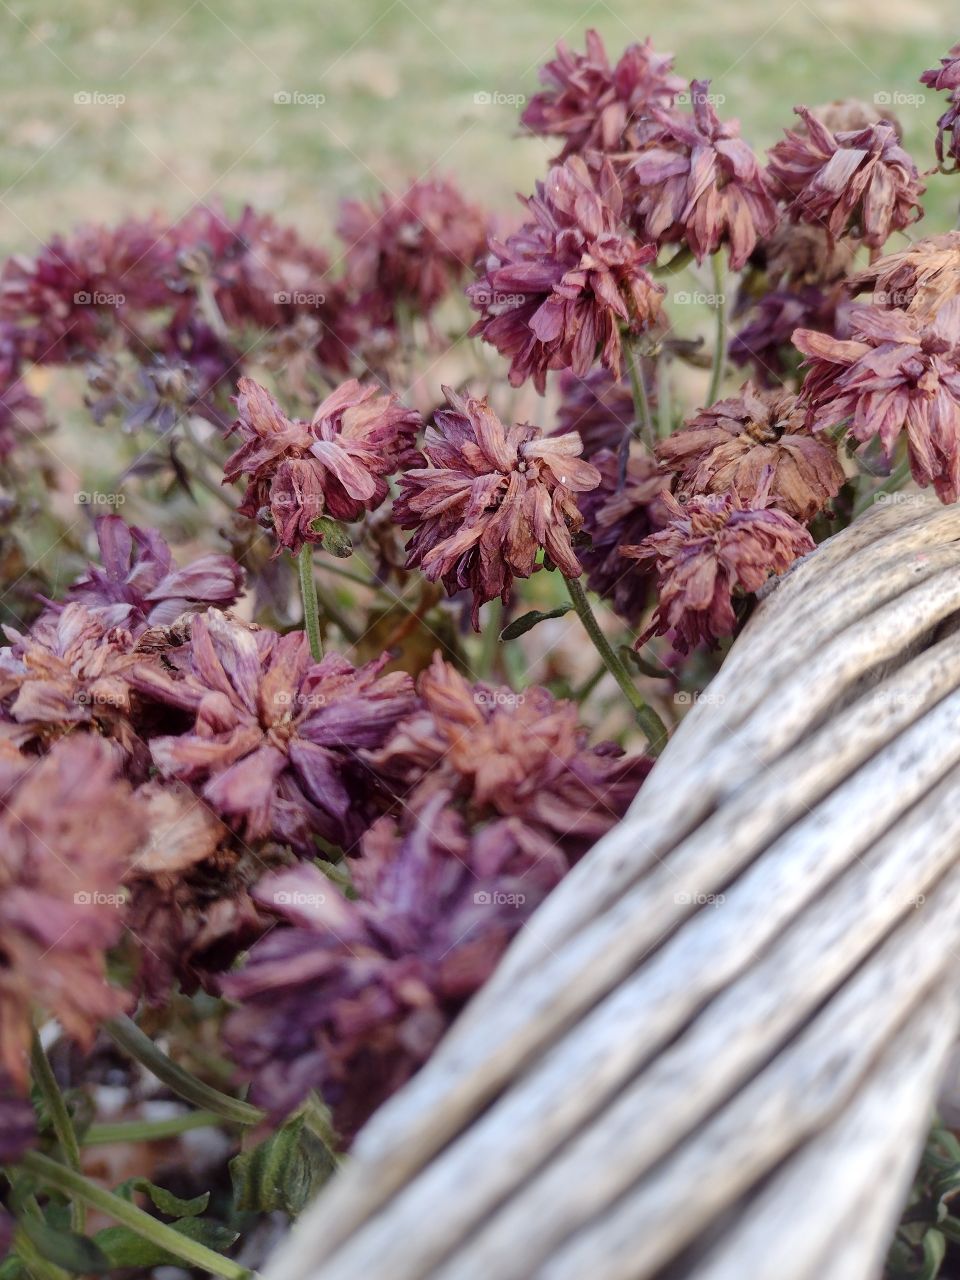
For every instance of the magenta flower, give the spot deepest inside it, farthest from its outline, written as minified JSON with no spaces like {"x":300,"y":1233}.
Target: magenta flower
{"x":698,"y":182}
{"x":273,"y":748}
{"x":556,"y":293}
{"x":139,"y":585}
{"x":488,"y":499}
{"x":899,"y":371}
{"x":859,"y":181}
{"x":591,"y":105}
{"x":711,"y":548}
{"x":67,"y":828}
{"x":333,"y":465}
{"x":411,"y":249}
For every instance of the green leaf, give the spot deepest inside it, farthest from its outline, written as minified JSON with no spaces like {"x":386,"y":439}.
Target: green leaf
{"x":162,"y":1199}
{"x":520,"y":626}
{"x":283,"y":1172}
{"x":75,"y":1253}
{"x":125,"y":1248}
{"x":336,"y":540}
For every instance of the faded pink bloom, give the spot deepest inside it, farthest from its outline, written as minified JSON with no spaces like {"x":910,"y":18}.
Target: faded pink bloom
{"x":333,"y":465}
{"x":711,"y":548}
{"x":67,"y":830}
{"x":591,"y":105}
{"x":411,"y":249}
{"x":557,"y":293}
{"x":273,"y":749}
{"x":70,"y":671}
{"x":897,"y":372}
{"x":919,"y":279}
{"x":859,"y":181}
{"x":700,"y":183}
{"x":751,"y":444}
{"x":524,"y":757}
{"x":139,"y":585}
{"x":488,"y":499}
{"x":947,"y":77}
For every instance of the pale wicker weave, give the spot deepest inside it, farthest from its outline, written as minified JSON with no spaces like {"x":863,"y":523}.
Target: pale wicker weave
{"x":714,"y":1052}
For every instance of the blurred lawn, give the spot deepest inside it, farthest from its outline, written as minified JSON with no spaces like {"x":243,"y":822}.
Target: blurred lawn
{"x":399,"y":79}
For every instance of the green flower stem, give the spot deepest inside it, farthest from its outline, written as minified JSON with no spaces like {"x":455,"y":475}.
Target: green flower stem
{"x":56,"y":1107}
{"x":308,"y":592}
{"x":641,"y":403}
{"x":58,"y":1177}
{"x":647,"y":718}
{"x":720,"y":350}
{"x":38,"y":1268}
{"x":99,"y":1135}
{"x":125,"y":1033}
{"x":664,"y":408}
{"x":891,"y":484}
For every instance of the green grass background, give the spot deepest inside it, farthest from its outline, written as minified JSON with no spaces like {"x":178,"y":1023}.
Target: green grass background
{"x":399,"y":78}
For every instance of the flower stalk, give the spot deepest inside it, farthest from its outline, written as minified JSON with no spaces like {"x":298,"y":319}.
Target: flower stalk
{"x":720,"y":350}
{"x":59,"y":1115}
{"x":308,"y":593}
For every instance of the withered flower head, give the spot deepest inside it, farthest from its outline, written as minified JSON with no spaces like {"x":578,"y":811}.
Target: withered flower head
{"x":897,"y":372}
{"x":557,"y":292}
{"x":22,"y":415}
{"x":599,"y":408}
{"x":699,"y":182}
{"x":139,"y":585}
{"x":751,"y":444}
{"x":947,"y":75}
{"x":918,"y":279}
{"x":274,"y":745}
{"x":523,"y":756}
{"x":765,"y":345}
{"x":947,"y":78}
{"x":618,"y":512}
{"x":333,"y":465}
{"x":489,"y":498}
{"x":591,"y":105}
{"x":860,"y":181}
{"x":845,"y":115}
{"x":67,"y":829}
{"x":188,"y":903}
{"x":352,"y":998}
{"x":412,"y":248}
{"x":712,"y":547}
{"x":71,"y":670}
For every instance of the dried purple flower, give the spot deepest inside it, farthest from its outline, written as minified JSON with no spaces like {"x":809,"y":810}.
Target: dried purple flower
{"x":591,"y":105}
{"x":859,"y":181}
{"x":489,"y":499}
{"x":919,"y":279}
{"x":558,"y":291}
{"x":411,"y":249}
{"x":711,"y":548}
{"x":755,"y":443}
{"x":898,"y":371}
{"x":67,"y":829}
{"x":699,"y":182}
{"x":333,"y":465}
{"x":621,"y":510}
{"x":599,"y":408}
{"x":139,"y":585}
{"x":522,"y":756}
{"x":947,"y":77}
{"x":274,"y":745}
{"x":71,"y":670}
